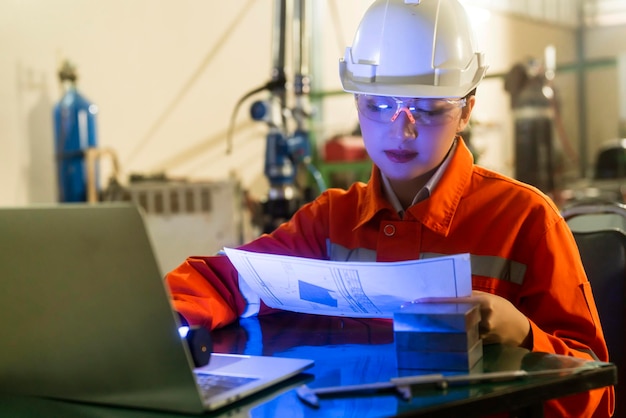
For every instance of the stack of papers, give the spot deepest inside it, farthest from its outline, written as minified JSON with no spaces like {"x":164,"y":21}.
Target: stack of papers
{"x":354,"y":289}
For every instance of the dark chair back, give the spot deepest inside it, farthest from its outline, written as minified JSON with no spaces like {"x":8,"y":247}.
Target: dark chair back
{"x":593,"y":216}
{"x":603,"y":253}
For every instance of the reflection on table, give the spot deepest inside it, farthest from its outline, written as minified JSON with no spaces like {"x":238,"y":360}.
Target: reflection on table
{"x":354,"y":351}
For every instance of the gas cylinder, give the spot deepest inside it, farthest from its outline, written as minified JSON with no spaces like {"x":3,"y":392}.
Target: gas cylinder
{"x":533,"y":112}
{"x":74,"y":133}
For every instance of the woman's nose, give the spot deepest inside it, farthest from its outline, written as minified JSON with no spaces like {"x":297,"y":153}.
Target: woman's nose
{"x":403,"y":124}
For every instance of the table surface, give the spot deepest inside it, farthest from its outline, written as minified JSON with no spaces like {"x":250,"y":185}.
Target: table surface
{"x":354,"y":351}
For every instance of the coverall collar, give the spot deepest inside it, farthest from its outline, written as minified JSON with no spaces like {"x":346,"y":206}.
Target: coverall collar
{"x":436,"y":212}
{"x":425,"y":192}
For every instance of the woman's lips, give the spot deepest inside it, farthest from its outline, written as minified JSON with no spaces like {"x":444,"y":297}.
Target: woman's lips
{"x":400,"y":156}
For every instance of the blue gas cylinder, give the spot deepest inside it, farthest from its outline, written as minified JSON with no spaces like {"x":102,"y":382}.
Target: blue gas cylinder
{"x":74,"y":132}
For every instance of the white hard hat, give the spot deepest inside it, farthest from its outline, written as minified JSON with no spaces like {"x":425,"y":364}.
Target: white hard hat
{"x":418,"y":48}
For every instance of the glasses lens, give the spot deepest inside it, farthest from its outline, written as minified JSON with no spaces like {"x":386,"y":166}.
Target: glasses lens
{"x":429,"y":112}
{"x":377,"y":108}
{"x":433,"y":111}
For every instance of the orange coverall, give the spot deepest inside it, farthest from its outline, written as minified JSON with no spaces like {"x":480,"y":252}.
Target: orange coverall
{"x":521,"y":249}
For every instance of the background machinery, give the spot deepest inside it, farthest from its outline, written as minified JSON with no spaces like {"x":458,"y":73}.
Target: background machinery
{"x":288,"y":141}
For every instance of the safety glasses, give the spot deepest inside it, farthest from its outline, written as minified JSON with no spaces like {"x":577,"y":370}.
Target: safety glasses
{"x":429,"y":112}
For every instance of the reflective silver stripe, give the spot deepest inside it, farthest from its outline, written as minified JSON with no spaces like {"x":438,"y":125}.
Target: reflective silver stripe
{"x":493,"y":266}
{"x":340,"y":253}
{"x":482,"y":265}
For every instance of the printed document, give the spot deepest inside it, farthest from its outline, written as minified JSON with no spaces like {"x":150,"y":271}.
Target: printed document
{"x":354,"y":289}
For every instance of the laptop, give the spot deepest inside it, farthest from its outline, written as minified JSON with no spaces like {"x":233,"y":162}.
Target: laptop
{"x":86,"y":316}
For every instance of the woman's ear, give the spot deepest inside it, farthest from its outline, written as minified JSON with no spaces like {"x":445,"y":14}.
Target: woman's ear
{"x":466,"y":113}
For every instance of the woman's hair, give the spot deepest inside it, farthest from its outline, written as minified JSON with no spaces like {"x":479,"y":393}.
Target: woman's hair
{"x":471,"y":93}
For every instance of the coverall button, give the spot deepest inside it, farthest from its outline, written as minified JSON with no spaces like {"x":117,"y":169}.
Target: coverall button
{"x":389,"y":230}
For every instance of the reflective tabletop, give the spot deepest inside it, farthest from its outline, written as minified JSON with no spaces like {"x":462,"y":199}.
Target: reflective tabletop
{"x":350,"y":351}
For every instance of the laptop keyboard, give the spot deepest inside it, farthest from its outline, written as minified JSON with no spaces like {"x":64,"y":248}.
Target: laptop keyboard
{"x":214,"y":384}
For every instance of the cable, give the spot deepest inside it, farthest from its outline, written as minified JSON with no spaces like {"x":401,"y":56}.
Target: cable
{"x":272,"y":85}
{"x":335,"y":16}
{"x":188,"y":85}
{"x":317,"y":175}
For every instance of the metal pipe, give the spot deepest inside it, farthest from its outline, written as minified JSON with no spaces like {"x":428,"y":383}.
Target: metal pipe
{"x":301,"y":51}
{"x":92,"y":156}
{"x":582,"y":98}
{"x":302,"y":85}
{"x":278,"y":51}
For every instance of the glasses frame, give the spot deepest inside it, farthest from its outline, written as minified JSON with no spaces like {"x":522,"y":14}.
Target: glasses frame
{"x":401,"y":106}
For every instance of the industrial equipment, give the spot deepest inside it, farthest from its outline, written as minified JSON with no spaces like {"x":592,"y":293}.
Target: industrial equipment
{"x":74,"y":133}
{"x":288,"y":141}
{"x":532,"y":102}
{"x":541,"y":142}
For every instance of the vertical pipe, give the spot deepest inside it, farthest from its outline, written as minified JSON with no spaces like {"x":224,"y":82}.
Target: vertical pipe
{"x":316,"y":66}
{"x":301,"y":59}
{"x":582,"y":95}
{"x":278,"y":51}
{"x":621,"y":82}
{"x":299,"y":35}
